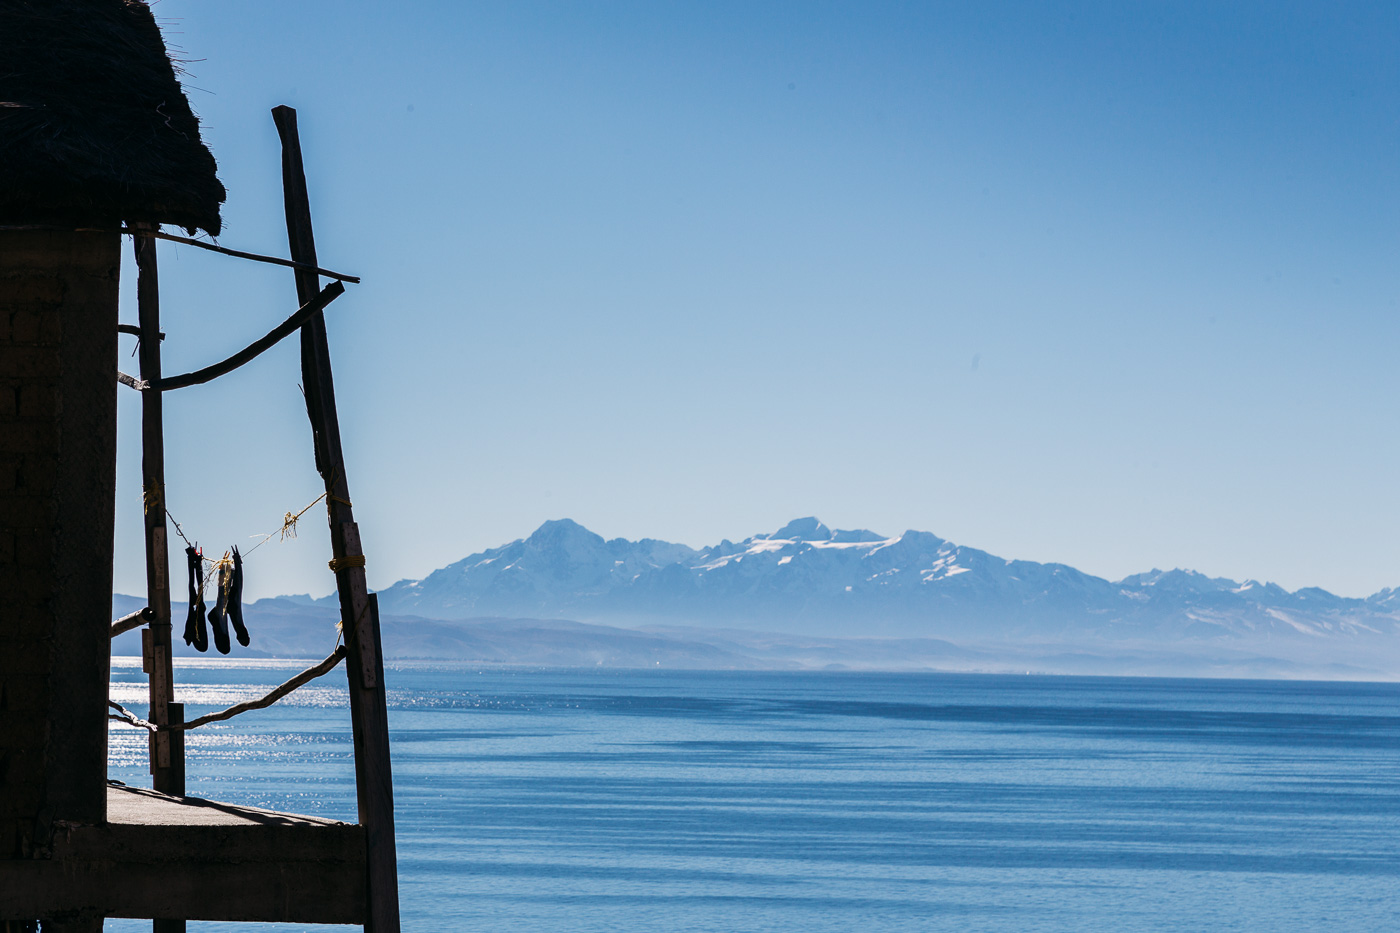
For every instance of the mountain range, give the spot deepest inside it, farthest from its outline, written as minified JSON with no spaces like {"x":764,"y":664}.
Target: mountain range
{"x":806,"y":595}
{"x":807,"y":578}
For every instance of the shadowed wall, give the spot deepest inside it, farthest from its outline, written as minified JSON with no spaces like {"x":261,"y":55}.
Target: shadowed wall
{"x":58,"y":349}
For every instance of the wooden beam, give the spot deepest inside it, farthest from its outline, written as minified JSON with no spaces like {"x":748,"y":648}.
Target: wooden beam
{"x":167,"y":774}
{"x":170,"y":857}
{"x":83,"y":921}
{"x":140,"y":385}
{"x":255,"y":349}
{"x":133,"y":329}
{"x":370,"y":727}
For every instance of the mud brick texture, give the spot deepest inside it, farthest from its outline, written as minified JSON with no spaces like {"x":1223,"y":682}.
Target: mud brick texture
{"x":58,"y":361}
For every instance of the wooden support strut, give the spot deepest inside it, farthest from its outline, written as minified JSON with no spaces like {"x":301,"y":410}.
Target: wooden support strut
{"x":249,"y":353}
{"x":358,"y":609}
{"x":200,"y":376}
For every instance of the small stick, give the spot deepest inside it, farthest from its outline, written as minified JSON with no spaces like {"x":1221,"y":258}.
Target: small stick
{"x":290,"y":263}
{"x":133,"y":330}
{"x":256,"y":257}
{"x":135,"y":620}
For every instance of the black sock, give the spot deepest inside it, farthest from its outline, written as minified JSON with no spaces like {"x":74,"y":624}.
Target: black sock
{"x":235,"y":600}
{"x":216,"y":615}
{"x":194,"y":623}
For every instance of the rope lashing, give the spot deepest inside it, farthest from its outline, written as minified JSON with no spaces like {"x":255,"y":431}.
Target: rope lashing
{"x":289,"y":525}
{"x":337,"y":564}
{"x":332,"y":497}
{"x":305,"y":677}
{"x":151,"y":497}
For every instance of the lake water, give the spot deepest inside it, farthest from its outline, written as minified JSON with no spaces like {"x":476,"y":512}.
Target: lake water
{"x":553,"y":800}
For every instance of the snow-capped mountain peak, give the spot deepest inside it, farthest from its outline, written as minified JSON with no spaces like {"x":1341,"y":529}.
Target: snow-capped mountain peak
{"x":806,"y":576}
{"x":803,"y":529}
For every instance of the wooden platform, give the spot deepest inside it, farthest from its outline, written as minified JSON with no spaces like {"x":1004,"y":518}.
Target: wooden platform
{"x":182,"y":857}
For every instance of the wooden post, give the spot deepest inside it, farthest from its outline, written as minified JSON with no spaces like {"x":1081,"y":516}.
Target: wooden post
{"x":167,"y":752}
{"x":176,"y":714}
{"x":167,"y":774}
{"x":363,"y":666}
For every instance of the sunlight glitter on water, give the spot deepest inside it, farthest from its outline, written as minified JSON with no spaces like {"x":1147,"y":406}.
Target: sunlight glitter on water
{"x":554,"y":801}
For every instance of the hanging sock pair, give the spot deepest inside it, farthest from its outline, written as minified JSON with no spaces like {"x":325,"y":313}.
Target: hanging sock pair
{"x":195,"y":633}
{"x":229,"y":607}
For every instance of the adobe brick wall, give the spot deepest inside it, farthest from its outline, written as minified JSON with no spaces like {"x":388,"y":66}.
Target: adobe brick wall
{"x":58,"y":358}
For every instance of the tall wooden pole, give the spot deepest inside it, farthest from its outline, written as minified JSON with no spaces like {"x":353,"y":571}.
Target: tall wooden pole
{"x":358,"y":613}
{"x":168,"y":774}
{"x":167,"y":756}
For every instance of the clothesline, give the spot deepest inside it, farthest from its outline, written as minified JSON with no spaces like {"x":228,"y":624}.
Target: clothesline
{"x":226,"y":574}
{"x":288,"y":529}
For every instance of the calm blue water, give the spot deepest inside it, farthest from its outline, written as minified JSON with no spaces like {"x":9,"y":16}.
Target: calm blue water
{"x":621,"y":800}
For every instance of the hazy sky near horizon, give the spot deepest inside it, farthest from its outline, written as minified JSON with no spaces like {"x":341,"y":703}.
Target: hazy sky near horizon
{"x":1108,"y":284}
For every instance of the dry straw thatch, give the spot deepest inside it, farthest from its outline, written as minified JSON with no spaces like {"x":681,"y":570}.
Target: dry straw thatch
{"x":94,"y":127}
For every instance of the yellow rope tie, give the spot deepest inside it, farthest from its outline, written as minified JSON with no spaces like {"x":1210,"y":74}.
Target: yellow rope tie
{"x":150,"y":497}
{"x":332,"y":497}
{"x":289,"y":526}
{"x":219,"y":574}
{"x":337,"y":564}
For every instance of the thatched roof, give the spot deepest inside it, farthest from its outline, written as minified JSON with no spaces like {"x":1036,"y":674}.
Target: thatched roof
{"x":93,"y":124}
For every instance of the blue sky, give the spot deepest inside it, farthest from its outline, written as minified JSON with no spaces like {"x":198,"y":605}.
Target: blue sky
{"x":1108,"y":284}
